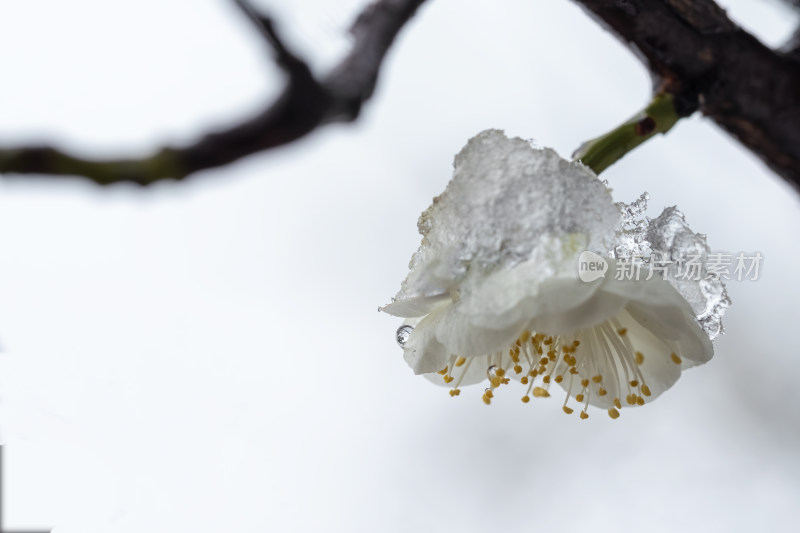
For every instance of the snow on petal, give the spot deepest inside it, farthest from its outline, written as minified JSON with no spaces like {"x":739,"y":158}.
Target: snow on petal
{"x":493,"y":292}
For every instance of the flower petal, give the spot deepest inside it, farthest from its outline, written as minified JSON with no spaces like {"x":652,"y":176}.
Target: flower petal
{"x":415,"y":307}
{"x":422,"y":351}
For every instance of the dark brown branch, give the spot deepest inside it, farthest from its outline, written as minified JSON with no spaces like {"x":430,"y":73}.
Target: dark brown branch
{"x":696,"y":52}
{"x":792,"y":46}
{"x":304,"y":105}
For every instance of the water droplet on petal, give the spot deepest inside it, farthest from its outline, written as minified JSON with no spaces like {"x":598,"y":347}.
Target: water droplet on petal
{"x":403,"y":333}
{"x":491,"y":372}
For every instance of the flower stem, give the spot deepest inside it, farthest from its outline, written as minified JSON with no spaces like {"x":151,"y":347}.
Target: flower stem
{"x":602,"y":152}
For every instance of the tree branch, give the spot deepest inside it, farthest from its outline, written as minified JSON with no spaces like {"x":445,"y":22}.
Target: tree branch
{"x":304,"y":105}
{"x":695,"y":52}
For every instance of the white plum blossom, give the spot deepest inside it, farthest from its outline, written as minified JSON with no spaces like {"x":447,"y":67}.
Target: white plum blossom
{"x":493,"y":292}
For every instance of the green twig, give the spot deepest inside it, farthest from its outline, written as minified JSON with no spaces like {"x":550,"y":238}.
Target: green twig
{"x":600,"y":153}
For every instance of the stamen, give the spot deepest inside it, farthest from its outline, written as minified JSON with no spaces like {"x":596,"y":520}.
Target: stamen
{"x":487,"y":396}
{"x":463,"y":373}
{"x":606,"y":362}
{"x":675,"y":359}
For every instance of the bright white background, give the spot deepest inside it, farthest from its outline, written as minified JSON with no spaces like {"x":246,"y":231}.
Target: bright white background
{"x":207,"y":356}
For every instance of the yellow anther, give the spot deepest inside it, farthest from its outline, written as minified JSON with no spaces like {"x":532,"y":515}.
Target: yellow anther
{"x":601,"y":391}
{"x":645,"y":390}
{"x":448,"y":379}
{"x":634,"y":383}
{"x":517,"y":369}
{"x":622,"y":331}
{"x":573,"y":370}
{"x":524,"y":380}
{"x":489,"y":394}
{"x":567,"y":410}
{"x":548,"y":341}
{"x":455,"y":392}
{"x":544,"y":361}
{"x":559,"y":379}
{"x":584,"y":382}
{"x":579,"y":397}
{"x":617,"y":403}
{"x":460,"y":361}
{"x":630,"y":399}
{"x":584,"y":415}
{"x":500,"y":372}
{"x":486,"y":400}
{"x":539,"y":392}
{"x":639,"y":400}
{"x":526,"y":399}
{"x":639,"y":358}
{"x":442,"y":371}
{"x":546,"y":379}
{"x":539,"y":350}
{"x":613,"y":413}
{"x":576,"y":343}
{"x":675,"y":359}
{"x":597,"y":379}
{"x":533,"y":372}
